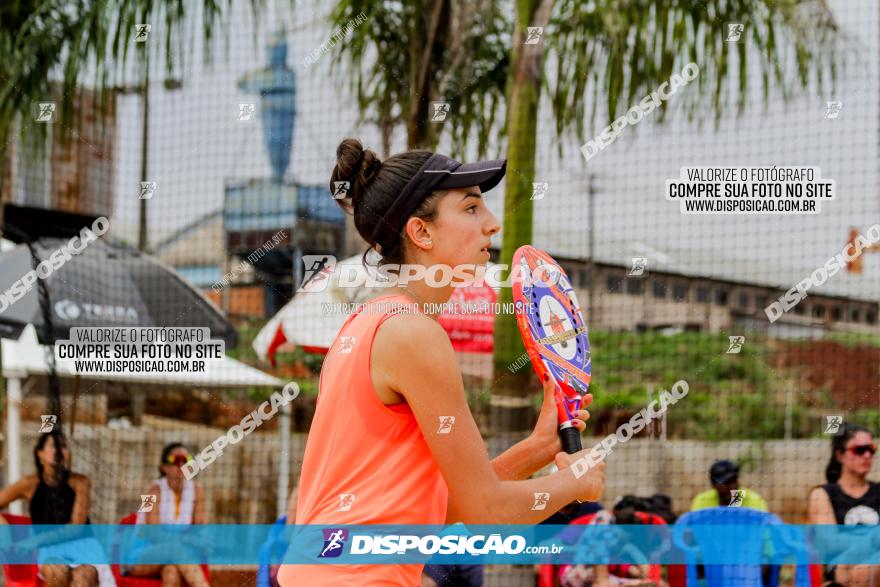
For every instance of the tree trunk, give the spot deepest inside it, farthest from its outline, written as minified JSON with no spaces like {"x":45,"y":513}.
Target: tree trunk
{"x":512,"y":394}
{"x":426,"y":57}
{"x":145,"y":130}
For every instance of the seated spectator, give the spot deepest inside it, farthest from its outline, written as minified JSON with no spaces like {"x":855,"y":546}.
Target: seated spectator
{"x":628,"y":511}
{"x":58,"y":496}
{"x":849,"y":498}
{"x":177,"y":501}
{"x":724,"y":477}
{"x":661,"y":505}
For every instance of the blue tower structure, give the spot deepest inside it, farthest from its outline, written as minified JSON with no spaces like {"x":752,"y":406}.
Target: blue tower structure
{"x":276,"y":86}
{"x":256,"y":210}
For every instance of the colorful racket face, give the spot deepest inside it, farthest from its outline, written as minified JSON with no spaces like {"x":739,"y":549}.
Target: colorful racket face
{"x":554,"y":332}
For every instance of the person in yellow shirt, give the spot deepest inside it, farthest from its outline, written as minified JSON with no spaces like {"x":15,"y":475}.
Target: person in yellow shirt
{"x":724,"y":477}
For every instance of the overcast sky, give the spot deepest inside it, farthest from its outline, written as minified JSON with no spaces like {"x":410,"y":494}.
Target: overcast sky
{"x":197,"y":144}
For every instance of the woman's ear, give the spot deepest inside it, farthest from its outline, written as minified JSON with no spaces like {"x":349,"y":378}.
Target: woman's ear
{"x":419,"y":234}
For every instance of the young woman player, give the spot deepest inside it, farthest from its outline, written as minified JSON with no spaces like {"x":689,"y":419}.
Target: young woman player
{"x":849,"y":498}
{"x":384,"y":447}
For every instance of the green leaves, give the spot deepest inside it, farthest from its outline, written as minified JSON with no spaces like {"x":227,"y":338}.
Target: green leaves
{"x":466,"y":46}
{"x":635,"y":46}
{"x":49,"y":47}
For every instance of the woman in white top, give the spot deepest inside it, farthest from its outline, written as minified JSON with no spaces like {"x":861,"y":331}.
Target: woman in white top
{"x":178,"y":500}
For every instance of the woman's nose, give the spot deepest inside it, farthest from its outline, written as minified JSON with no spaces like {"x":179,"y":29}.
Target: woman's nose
{"x":493,"y":226}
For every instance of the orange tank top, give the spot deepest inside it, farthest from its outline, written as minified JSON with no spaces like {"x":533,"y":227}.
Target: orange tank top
{"x":365,"y":462}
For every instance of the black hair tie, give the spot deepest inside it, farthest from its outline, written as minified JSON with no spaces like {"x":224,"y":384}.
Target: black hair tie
{"x":373,"y":165}
{"x":357,"y":168}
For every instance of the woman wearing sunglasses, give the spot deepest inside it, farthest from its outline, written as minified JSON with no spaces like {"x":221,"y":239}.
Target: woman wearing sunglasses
{"x":178,"y":500}
{"x":849,"y":498}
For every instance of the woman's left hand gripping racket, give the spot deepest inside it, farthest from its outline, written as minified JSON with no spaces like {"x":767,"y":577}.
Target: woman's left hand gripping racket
{"x":555,"y":335}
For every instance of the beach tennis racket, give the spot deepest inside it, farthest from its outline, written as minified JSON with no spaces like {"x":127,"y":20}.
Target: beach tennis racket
{"x":554,"y":333}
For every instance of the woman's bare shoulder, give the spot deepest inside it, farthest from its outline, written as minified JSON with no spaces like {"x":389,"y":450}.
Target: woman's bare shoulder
{"x":79,"y":480}
{"x":29,"y":482}
{"x":410,"y":328}
{"x":407,"y":341}
{"x":818,"y":492}
{"x":24,"y":487}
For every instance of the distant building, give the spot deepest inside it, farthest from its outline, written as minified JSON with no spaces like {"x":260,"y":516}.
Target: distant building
{"x":667,"y":297}
{"x":196,"y":250}
{"x":74,"y":176}
{"x":247,"y":256}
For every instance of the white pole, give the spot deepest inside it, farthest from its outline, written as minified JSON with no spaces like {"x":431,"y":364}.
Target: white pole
{"x":663,"y":427}
{"x":284,"y":465}
{"x":13,"y":438}
{"x":788,"y":408}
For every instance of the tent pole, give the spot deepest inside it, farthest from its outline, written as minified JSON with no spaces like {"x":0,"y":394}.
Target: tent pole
{"x":13,"y":438}
{"x":284,"y":465}
{"x":73,"y":407}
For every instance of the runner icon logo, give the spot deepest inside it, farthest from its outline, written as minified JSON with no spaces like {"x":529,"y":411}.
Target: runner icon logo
{"x":47,"y":423}
{"x":539,"y":190}
{"x":346,"y":500}
{"x":142,"y":33}
{"x":833,"y":425}
{"x":736,"y":344}
{"x":440,"y":110}
{"x":147,"y":189}
{"x":147,"y":503}
{"x":45,"y":112}
{"x":317,"y":270}
{"x":736,"y":497}
{"x":446,"y":423}
{"x":639,"y":264}
{"x":534,"y":35}
{"x":832,"y":109}
{"x":340,"y":189}
{"x":734,"y":32}
{"x":541,"y":500}
{"x":346,"y":343}
{"x":245,"y":112}
{"x":334,"y":540}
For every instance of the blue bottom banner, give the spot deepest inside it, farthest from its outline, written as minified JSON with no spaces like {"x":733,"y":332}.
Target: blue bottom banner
{"x":455,"y":544}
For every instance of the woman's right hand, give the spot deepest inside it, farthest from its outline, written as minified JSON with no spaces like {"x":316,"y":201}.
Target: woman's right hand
{"x":590,"y":485}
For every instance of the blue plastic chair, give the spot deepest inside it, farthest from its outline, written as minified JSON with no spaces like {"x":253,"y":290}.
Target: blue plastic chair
{"x":747,"y":539}
{"x":275,"y":544}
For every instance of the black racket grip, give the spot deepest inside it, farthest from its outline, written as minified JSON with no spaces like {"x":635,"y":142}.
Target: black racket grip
{"x":570,"y":437}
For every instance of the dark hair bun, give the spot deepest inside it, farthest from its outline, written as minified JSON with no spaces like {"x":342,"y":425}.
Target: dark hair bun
{"x":357,"y":166}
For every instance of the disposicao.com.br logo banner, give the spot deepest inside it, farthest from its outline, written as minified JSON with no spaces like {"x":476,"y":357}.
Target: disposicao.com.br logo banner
{"x":233,"y":544}
{"x":338,"y":541}
{"x":717,"y":543}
